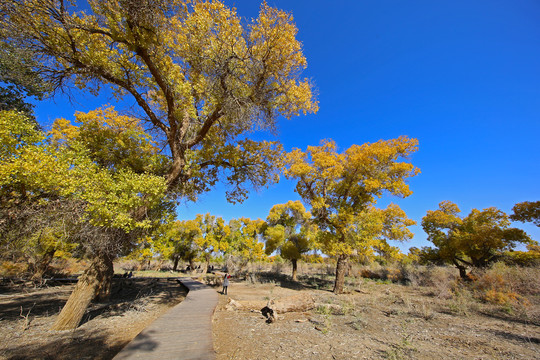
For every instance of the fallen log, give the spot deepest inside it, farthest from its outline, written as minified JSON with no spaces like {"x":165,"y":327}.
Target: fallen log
{"x":296,"y":303}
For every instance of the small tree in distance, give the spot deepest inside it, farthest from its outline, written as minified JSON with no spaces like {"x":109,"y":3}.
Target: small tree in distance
{"x":290,"y":231}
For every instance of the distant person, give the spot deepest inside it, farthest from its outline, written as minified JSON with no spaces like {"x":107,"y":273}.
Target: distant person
{"x":130,"y":275}
{"x":225,"y":283}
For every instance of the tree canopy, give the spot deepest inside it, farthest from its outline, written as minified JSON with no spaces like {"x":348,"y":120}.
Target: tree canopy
{"x":289,"y":230}
{"x":527,"y":211}
{"x":475,"y":240}
{"x":201,"y":77}
{"x":341,"y":188}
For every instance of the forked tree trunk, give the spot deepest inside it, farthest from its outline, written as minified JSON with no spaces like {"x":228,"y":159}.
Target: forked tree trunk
{"x":294,"y":269}
{"x":341,"y":268}
{"x":94,"y":282}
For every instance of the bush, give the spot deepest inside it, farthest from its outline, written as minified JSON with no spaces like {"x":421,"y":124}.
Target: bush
{"x":507,"y":285}
{"x":13,"y":269}
{"x":60,"y":267}
{"x":127,"y":265}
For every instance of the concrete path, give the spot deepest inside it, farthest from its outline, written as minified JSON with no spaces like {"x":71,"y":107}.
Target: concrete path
{"x":184,"y":332}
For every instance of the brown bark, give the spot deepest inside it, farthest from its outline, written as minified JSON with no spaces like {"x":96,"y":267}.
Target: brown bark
{"x":341,"y":268}
{"x":92,"y":283}
{"x":43,"y":265}
{"x":462,"y":270}
{"x":175,"y":263}
{"x":207,"y":264}
{"x":294,"y":269}
{"x":104,"y":292}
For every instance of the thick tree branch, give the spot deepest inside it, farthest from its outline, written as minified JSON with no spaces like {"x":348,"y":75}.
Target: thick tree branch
{"x":207,"y":125}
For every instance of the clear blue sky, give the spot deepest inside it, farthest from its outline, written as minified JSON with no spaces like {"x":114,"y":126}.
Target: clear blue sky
{"x":463,"y":77}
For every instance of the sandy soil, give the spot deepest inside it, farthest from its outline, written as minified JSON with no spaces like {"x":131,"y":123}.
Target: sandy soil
{"x":26,"y":315}
{"x":373,"y":321}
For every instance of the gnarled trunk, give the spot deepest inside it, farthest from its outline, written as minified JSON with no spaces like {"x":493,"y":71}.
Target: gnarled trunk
{"x":105,"y":285}
{"x":294,"y":269}
{"x":341,"y":268}
{"x":93,"y":283}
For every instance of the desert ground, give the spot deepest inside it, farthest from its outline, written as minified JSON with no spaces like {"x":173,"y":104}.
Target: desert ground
{"x":27,"y":313}
{"x":374,"y":319}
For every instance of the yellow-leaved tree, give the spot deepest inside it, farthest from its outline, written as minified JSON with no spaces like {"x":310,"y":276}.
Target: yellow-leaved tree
{"x":342,"y":189}
{"x":202,"y":78}
{"x":527,"y":211}
{"x":181,"y":237}
{"x":473,"y":241}
{"x":289,"y":230}
{"x":245,"y":246}
{"x":213,"y":238}
{"x":95,"y":205}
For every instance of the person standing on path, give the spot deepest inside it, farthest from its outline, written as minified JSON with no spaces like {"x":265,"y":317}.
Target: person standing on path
{"x":225,"y":283}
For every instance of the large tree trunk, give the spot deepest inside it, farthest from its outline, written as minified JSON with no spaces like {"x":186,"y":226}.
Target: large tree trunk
{"x":105,"y":285}
{"x":207,"y":264}
{"x":94,"y":282}
{"x":294,"y":269}
{"x":341,"y":268}
{"x":176,"y":259}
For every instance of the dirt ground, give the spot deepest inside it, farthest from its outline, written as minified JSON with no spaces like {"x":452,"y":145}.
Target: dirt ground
{"x":373,"y":321}
{"x":26,"y":315}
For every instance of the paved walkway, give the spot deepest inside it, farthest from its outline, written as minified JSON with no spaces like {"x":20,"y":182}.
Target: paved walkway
{"x":184,"y":332}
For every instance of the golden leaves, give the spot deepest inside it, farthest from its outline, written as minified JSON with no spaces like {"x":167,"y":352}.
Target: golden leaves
{"x":110,"y":195}
{"x":342,"y":187}
{"x":289,"y":230}
{"x":474,"y":239}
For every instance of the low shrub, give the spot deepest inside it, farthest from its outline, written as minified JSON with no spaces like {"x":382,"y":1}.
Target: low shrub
{"x":506,"y":285}
{"x":13,"y":269}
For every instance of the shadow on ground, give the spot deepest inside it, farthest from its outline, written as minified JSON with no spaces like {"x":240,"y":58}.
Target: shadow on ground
{"x":86,"y":342}
{"x":303,"y":282}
